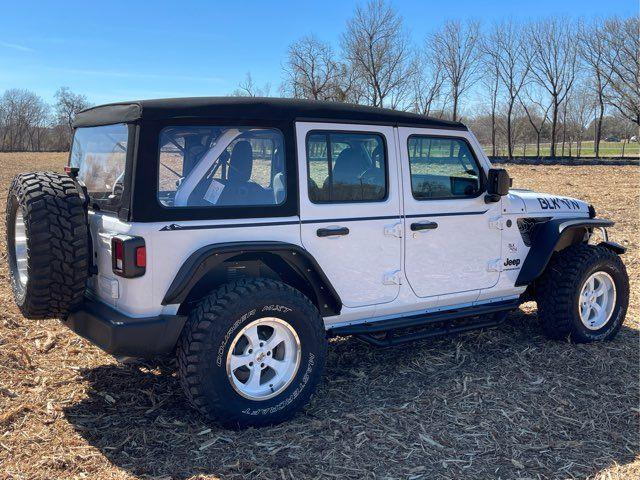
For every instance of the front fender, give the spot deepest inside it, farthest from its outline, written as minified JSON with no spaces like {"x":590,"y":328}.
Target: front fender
{"x":552,"y":236}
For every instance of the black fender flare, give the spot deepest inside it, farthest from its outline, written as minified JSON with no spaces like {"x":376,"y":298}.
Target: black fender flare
{"x":300,"y":260}
{"x":552,"y":236}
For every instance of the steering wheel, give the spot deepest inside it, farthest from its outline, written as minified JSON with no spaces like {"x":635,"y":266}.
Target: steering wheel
{"x":369,"y":173}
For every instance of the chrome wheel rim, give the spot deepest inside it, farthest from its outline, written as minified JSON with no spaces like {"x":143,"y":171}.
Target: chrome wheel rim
{"x":20,"y":247}
{"x":263,"y":358}
{"x":597,"y":300}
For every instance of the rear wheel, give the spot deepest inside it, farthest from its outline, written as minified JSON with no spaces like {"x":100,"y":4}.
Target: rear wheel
{"x":583,"y":294}
{"x":252,"y":353}
{"x":47,"y":244}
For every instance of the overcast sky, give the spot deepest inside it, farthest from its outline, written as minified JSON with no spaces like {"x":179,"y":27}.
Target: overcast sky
{"x":125,"y":50}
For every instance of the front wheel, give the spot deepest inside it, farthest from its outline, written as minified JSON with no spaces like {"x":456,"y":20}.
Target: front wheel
{"x":583,"y":294}
{"x":252,"y":353}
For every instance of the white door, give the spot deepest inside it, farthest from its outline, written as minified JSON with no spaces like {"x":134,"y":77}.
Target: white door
{"x":451,"y":246}
{"x":350,"y":208}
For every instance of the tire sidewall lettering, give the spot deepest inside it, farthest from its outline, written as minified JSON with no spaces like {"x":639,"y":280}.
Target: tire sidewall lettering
{"x":274,"y":308}
{"x":291,"y":397}
{"x":306,"y":371}
{"x":227,"y":336}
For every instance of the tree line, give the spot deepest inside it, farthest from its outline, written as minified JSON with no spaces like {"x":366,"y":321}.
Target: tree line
{"x":28,"y":123}
{"x":543,"y":86}
{"x":558,"y":81}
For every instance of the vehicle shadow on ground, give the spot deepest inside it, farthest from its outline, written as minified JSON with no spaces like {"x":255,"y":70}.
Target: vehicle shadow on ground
{"x":497,"y":403}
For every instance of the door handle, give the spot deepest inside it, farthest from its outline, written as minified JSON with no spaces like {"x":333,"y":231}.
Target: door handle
{"x":331,"y":232}
{"x":423,"y":226}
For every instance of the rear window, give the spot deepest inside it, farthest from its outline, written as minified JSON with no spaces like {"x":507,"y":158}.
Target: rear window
{"x":346,"y":167}
{"x":100,"y":154}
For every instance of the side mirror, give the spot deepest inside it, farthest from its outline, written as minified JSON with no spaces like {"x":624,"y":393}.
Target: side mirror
{"x":498,"y":184}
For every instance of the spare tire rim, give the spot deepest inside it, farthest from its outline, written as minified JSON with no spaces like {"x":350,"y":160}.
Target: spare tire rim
{"x":597,"y":300}
{"x":263,"y":358}
{"x":20,"y":247}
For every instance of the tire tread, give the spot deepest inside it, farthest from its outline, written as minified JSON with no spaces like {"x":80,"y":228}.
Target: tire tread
{"x":556,"y":289}
{"x":208,"y":316}
{"x":58,"y":246}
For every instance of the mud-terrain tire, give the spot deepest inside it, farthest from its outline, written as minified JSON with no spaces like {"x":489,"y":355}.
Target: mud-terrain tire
{"x":213,"y":334}
{"x":559,"y":294}
{"x":49,"y":212}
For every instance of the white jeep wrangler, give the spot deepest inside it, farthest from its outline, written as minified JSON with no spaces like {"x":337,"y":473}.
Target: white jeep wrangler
{"x":239,"y":234}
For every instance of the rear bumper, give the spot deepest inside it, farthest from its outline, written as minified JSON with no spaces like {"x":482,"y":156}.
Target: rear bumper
{"x":120,"y":335}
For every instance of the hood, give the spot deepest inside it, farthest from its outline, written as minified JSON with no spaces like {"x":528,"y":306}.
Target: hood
{"x":535,"y":202}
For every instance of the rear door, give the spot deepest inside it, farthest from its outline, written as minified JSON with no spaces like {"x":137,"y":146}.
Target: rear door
{"x":451,"y":246}
{"x":350,"y":208}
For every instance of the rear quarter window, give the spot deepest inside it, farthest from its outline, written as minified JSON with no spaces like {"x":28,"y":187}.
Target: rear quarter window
{"x":214,"y":166}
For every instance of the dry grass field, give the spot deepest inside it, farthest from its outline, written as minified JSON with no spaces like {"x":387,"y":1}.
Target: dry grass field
{"x":502,"y":403}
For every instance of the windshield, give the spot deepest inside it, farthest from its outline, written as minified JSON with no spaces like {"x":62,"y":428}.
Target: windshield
{"x":100,"y":154}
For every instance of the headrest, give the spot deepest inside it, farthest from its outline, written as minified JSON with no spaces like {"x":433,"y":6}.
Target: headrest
{"x":241,"y":162}
{"x":349,"y":166}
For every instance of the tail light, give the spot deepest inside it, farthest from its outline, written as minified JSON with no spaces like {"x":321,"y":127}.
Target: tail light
{"x":128,"y":256}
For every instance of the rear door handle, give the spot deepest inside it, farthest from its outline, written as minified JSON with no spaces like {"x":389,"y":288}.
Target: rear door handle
{"x":331,"y":232}
{"x":423,"y":226}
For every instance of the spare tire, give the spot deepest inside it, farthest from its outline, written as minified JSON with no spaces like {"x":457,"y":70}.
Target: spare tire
{"x":47,"y":244}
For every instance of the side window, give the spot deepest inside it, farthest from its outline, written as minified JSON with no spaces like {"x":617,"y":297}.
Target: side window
{"x":346,"y":167}
{"x":442,"y":168}
{"x":221,"y":166}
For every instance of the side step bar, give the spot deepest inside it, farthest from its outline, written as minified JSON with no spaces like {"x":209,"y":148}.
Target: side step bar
{"x":437,"y":323}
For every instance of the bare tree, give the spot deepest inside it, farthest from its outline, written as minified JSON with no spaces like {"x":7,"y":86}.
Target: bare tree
{"x":491,"y":83}
{"x":581,"y":107}
{"x":427,"y":85}
{"x":594,"y":50}
{"x":67,"y":105}
{"x":563,"y":121}
{"x":378,"y":50}
{"x":24,"y":118}
{"x":349,"y":88}
{"x":521,"y":129}
{"x":312,"y":71}
{"x":537,"y":115}
{"x":554,"y":63}
{"x":248,"y":88}
{"x":506,"y":48}
{"x":628,"y":129}
{"x":622,"y":38}
{"x":455,"y":49}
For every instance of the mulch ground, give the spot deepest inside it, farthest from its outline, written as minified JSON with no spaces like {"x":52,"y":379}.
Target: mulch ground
{"x":502,"y":403}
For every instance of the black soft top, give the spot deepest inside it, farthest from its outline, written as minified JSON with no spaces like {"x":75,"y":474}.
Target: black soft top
{"x":238,"y":108}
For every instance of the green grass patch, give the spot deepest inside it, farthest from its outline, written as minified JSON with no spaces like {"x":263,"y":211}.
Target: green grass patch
{"x":607,"y":149}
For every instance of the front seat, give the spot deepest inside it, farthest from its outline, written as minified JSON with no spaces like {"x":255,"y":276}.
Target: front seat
{"x":239,"y":190}
{"x":347,"y":171}
{"x":278,"y":184}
